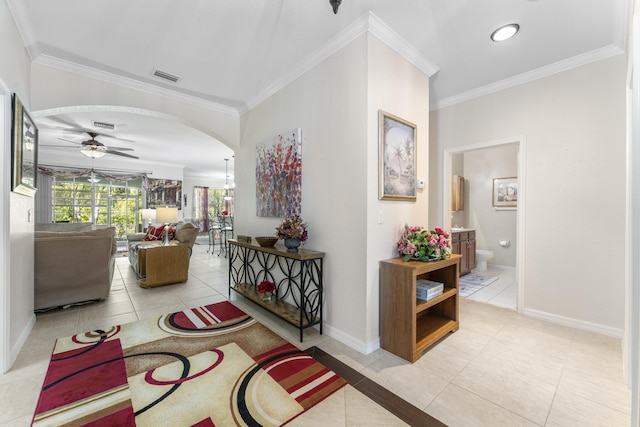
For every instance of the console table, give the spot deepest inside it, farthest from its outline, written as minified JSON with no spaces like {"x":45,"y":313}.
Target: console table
{"x":297,"y":276}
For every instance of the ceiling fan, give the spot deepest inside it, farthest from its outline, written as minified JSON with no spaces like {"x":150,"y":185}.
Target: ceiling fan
{"x":95,"y":149}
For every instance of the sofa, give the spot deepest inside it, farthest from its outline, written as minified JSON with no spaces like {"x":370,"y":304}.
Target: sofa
{"x":185,"y":234}
{"x":73,"y":266}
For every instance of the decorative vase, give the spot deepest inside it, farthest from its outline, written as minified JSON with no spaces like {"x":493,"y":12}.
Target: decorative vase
{"x":266,"y":296}
{"x":292,"y":244}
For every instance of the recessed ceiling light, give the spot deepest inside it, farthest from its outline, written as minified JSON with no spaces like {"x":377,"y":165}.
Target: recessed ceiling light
{"x":505,"y":32}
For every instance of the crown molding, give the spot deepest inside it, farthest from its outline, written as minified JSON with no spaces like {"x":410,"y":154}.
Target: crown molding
{"x":538,"y":73}
{"x":369,"y":22}
{"x":345,"y":37}
{"x":23,"y":22}
{"x":392,"y":39}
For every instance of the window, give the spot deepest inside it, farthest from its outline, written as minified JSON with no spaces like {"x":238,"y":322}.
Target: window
{"x":217,"y":203}
{"x":110,"y":203}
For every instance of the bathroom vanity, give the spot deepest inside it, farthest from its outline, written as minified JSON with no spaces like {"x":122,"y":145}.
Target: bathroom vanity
{"x":464,"y":243}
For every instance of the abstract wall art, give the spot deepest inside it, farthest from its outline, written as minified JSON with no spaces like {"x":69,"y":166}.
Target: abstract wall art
{"x":279,"y":175}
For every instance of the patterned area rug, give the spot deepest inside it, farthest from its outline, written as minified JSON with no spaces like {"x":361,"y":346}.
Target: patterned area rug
{"x":207,"y":366}
{"x":471,"y":283}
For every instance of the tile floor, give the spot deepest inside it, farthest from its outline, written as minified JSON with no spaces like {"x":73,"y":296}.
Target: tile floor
{"x":499,"y":369}
{"x":503,"y":292}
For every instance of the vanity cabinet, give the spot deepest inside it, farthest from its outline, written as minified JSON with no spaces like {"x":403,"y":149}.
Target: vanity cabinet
{"x":408,"y":325}
{"x":464,"y":243}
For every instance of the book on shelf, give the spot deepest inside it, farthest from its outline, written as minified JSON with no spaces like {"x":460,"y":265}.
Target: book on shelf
{"x":428,"y":289}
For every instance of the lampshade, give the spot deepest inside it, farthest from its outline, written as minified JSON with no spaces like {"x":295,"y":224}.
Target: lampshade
{"x":167,"y":215}
{"x":94,"y":151}
{"x":148,"y":213}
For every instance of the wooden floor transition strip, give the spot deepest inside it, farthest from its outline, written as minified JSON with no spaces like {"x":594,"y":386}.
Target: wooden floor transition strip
{"x":383,"y":397}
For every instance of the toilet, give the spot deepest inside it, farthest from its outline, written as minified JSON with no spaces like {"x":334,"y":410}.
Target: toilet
{"x":482,"y":257}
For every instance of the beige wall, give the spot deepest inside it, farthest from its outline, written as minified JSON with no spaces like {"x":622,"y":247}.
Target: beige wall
{"x":574,"y":125}
{"x":336,"y":105}
{"x":328,"y":103}
{"x":399,"y":88}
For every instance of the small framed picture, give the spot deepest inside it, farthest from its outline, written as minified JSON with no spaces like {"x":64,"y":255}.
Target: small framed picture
{"x":397,"y":158}
{"x":24,"y":150}
{"x":505,"y":192}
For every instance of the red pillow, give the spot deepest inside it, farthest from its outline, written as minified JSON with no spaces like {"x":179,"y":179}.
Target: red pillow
{"x":154,"y":233}
{"x":157,"y":233}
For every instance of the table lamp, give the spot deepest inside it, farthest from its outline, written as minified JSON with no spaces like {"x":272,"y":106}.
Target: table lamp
{"x":166,"y":216}
{"x":148,"y":214}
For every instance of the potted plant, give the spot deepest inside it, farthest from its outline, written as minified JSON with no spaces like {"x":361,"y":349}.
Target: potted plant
{"x":420,"y":244}
{"x":293,"y":230}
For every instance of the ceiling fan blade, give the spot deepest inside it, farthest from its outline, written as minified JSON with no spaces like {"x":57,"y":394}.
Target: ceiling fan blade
{"x":116,"y":137}
{"x":73,"y":142}
{"x":120,"y":148}
{"x":57,"y":146}
{"x":117,"y":153}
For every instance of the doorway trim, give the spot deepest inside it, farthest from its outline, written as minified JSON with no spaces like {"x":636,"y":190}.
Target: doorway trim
{"x":5,"y":183}
{"x":520,"y":141}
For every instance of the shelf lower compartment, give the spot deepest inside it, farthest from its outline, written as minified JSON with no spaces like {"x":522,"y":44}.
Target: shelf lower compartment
{"x":430,"y":329}
{"x":280,"y":308}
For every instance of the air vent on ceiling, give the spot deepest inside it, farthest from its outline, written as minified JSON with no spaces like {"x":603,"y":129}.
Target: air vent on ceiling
{"x":104,"y":125}
{"x":165,"y":75}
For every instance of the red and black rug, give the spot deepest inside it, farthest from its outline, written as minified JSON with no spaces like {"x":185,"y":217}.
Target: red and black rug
{"x":207,"y":366}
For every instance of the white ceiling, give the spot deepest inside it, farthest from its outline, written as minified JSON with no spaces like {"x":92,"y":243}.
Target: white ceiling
{"x":234,"y":53}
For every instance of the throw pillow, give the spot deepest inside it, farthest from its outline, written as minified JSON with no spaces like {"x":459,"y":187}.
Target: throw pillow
{"x":154,"y":233}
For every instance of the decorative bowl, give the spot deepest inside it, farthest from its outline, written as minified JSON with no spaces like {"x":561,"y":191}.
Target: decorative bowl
{"x":266,"y":241}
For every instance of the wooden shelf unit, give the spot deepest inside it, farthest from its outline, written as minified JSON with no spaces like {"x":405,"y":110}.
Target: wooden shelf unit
{"x":298,"y":278}
{"x":409,"y":325}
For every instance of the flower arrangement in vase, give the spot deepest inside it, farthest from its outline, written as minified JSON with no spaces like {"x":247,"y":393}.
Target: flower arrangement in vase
{"x":420,"y":244}
{"x":266,"y":288}
{"x":293,"y":230}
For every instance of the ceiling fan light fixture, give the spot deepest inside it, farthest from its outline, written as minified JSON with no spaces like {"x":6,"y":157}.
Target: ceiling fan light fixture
{"x":93,"y":151}
{"x":505,"y":32}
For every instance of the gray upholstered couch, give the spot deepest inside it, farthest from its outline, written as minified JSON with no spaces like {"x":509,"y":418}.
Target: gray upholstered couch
{"x":73,"y":266}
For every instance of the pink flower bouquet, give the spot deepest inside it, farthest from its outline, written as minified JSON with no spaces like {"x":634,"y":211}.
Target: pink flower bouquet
{"x":419,"y":244}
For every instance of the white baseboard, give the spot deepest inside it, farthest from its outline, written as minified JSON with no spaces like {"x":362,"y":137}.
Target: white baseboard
{"x":22,"y":339}
{"x":346,"y":339}
{"x":574,"y":323}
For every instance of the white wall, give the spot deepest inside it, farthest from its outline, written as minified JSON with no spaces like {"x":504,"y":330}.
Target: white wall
{"x":574,"y":123}
{"x":16,"y":280}
{"x":491,"y":225}
{"x":336,"y":105}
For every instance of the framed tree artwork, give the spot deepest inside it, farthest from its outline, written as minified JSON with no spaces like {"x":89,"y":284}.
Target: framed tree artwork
{"x":397,"y":158}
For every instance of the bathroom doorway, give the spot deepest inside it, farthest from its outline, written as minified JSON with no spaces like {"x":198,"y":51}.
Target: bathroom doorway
{"x":498,"y":229}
